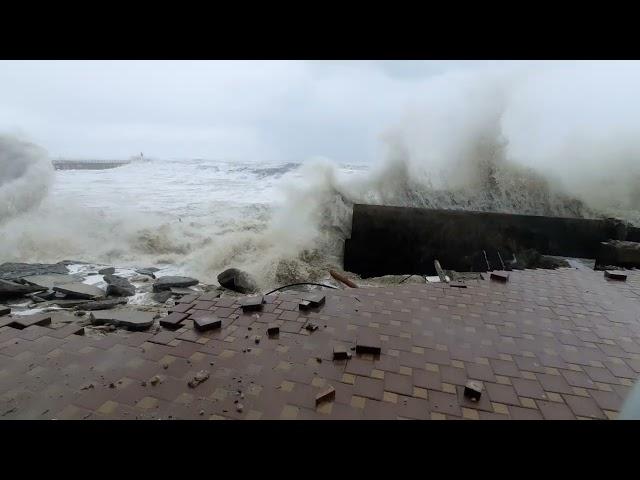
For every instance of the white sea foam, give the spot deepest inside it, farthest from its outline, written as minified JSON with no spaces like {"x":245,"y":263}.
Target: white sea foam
{"x":556,"y":139}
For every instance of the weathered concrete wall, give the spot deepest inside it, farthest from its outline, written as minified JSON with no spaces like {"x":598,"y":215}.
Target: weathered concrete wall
{"x":397,"y":240}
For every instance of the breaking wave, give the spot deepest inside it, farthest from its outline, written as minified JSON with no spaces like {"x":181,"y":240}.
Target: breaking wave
{"x":543,"y":141}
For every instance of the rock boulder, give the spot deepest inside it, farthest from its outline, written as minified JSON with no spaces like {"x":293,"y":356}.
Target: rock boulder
{"x":166,"y":283}
{"x":237,"y":280}
{"x":119,"y":286}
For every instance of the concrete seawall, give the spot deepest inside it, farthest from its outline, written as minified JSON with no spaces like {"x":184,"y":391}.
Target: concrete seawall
{"x":396,"y":240}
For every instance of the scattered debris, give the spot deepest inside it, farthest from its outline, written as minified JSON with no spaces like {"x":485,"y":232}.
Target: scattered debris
{"x":441,"y":274}
{"x":87,"y":386}
{"x":154,"y":380}
{"x":342,"y":279}
{"x":457,"y":284}
{"x":311,"y":327}
{"x":473,"y":390}
{"x":239,"y":407}
{"x":198,"y":378}
{"x":256,"y":339}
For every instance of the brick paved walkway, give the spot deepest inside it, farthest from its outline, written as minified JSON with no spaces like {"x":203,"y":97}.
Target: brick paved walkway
{"x":560,"y":344}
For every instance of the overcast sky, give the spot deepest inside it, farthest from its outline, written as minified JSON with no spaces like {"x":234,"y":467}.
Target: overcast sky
{"x":248,"y":110}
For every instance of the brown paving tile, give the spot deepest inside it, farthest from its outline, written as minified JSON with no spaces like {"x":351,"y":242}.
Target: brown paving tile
{"x":519,"y":413}
{"x":446,"y":403}
{"x":528,"y":388}
{"x":584,"y":406}
{"x":502,"y":394}
{"x":607,"y":400}
{"x":554,"y":383}
{"x":400,"y":384}
{"x":368,"y":388}
{"x":555,"y":411}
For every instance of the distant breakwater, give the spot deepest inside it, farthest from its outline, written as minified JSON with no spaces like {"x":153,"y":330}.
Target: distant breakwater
{"x":87,"y":164}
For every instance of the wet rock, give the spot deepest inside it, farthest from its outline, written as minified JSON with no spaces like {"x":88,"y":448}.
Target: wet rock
{"x":237,"y":280}
{"x":119,"y":286}
{"x":49,"y":295}
{"x":130,"y":319}
{"x":4,"y":310}
{"x":162,"y":297}
{"x":198,"y":378}
{"x":104,"y":304}
{"x":16,"y":271}
{"x":107,"y":271}
{"x":149,"y":271}
{"x":166,"y":283}
{"x":12,"y":290}
{"x":51,"y":280}
{"x":80,"y":291}
{"x":182,"y":291}
{"x":139,"y":278}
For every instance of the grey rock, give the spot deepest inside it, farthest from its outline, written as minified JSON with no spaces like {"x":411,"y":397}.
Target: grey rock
{"x":107,"y":271}
{"x":162,"y":297}
{"x":80,"y":290}
{"x":166,"y":283}
{"x":150,"y":271}
{"x":237,"y":280}
{"x":104,"y":304}
{"x":65,"y":303}
{"x":49,"y":295}
{"x":11,"y":289}
{"x":16,"y":271}
{"x":51,"y":280}
{"x":4,"y":310}
{"x":119,"y":286}
{"x":130,"y":319}
{"x":182,"y":291}
{"x":198,"y":378}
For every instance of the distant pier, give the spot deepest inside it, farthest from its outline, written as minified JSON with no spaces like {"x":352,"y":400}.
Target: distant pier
{"x":61,"y":164}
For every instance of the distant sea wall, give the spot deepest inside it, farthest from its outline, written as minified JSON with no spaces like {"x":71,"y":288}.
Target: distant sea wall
{"x":88,"y":164}
{"x":397,"y":240}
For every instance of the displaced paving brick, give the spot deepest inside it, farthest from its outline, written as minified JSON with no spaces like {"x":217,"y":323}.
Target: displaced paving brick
{"x":130,"y":319}
{"x":273,"y":329}
{"x":208,"y":322}
{"x":368,"y":342}
{"x":615,"y":275}
{"x":252,"y":303}
{"x":340,"y":352}
{"x":173,"y":320}
{"x":457,"y":285}
{"x":473,"y":390}
{"x":326,"y":395}
{"x":312,"y":300}
{"x":24,"y":321}
{"x":499,"y":277}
